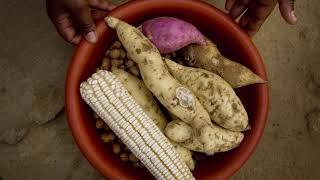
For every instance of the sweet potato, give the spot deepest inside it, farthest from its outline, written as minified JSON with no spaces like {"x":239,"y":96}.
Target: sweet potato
{"x":185,"y":155}
{"x":142,"y":96}
{"x":178,"y":131}
{"x":177,"y":98}
{"x":209,"y":58}
{"x":169,"y":34}
{"x":215,"y":94}
{"x":216,"y":138}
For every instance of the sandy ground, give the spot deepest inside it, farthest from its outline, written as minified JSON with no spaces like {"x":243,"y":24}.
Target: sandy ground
{"x":35,"y":142}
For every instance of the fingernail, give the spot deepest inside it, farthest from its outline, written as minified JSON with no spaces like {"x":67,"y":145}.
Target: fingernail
{"x":294,"y":17}
{"x":91,"y":37}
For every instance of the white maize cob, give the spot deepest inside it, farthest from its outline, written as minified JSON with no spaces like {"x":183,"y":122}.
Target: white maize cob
{"x":111,"y":101}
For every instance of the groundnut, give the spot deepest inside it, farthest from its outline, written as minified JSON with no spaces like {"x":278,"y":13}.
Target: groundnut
{"x":114,"y":53}
{"x":123,"y":54}
{"x":116,"y":62}
{"x":122,"y":67}
{"x":124,"y":157}
{"x":135,"y":71}
{"x":116,"y":45}
{"x":107,"y":137}
{"x":116,"y":148}
{"x":129,"y":64}
{"x":99,"y":124}
{"x":106,"y":64}
{"x":133,"y":158}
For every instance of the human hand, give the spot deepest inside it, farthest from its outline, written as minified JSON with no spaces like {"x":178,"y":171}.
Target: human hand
{"x":257,"y":11}
{"x":75,"y":18}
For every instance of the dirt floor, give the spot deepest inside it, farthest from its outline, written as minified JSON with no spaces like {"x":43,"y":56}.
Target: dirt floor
{"x":35,"y":142}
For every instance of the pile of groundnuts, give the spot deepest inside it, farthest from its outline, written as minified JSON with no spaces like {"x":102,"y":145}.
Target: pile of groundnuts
{"x":116,"y":56}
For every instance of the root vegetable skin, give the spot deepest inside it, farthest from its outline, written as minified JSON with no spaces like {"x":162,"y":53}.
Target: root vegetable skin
{"x":215,"y":94}
{"x":178,"y":131}
{"x":142,"y":96}
{"x":185,"y":155}
{"x":217,"y":139}
{"x":209,"y":58}
{"x":178,"y":99}
{"x":169,"y":34}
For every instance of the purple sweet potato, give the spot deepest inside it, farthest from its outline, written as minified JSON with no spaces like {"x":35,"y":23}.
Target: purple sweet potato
{"x":169,"y":34}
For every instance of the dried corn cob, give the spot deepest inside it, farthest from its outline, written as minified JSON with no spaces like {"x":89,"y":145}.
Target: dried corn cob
{"x":111,"y":101}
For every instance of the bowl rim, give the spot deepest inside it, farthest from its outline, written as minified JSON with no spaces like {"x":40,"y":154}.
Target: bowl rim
{"x":85,"y":48}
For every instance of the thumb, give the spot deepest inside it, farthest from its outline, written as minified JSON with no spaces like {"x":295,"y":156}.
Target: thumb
{"x":287,"y":11}
{"x":85,"y":23}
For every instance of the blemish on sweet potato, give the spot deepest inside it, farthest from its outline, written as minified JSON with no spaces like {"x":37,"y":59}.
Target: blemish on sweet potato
{"x":138,"y":51}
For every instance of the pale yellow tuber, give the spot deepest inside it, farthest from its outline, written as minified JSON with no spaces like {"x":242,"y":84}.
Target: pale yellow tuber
{"x":209,"y":58}
{"x":217,"y":139}
{"x":215,"y":94}
{"x":142,"y":96}
{"x":185,"y":155}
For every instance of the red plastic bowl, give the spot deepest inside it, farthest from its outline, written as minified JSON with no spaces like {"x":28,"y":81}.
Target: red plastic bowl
{"x":232,"y":42}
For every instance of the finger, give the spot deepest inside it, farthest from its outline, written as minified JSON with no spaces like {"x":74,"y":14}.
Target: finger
{"x":244,"y":20}
{"x":287,"y":11}
{"x":251,"y":26}
{"x":69,"y":34}
{"x":229,"y":4}
{"x":102,"y":5}
{"x":98,"y":14}
{"x":83,"y":17}
{"x":66,"y":29}
{"x":238,"y":8}
{"x":76,"y":39}
{"x":256,"y":15}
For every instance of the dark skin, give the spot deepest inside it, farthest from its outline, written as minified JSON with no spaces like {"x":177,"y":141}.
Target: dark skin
{"x":257,"y":11}
{"x":75,"y":18}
